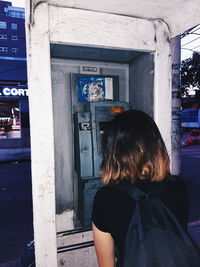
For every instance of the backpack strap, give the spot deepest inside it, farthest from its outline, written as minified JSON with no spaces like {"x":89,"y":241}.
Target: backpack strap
{"x":137,"y":194}
{"x":132,"y":191}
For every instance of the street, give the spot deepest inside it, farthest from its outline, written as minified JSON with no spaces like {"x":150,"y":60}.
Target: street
{"x":190,"y":173}
{"x":16,"y":224}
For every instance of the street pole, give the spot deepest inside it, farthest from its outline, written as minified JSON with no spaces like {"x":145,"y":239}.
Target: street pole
{"x":176,"y":105}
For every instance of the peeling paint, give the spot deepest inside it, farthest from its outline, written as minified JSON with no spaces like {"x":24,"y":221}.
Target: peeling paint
{"x":155,"y":38}
{"x":33,"y":8}
{"x":62,"y":262}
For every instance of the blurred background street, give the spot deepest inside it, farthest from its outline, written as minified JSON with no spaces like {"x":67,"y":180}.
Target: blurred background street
{"x":190,"y":158}
{"x":16,"y":221}
{"x":190,"y":173}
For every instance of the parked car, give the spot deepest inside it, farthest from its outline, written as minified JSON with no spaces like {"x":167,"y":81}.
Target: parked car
{"x":194,"y":136}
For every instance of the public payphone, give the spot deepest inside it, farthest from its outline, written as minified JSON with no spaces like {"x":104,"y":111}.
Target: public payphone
{"x":89,"y":128}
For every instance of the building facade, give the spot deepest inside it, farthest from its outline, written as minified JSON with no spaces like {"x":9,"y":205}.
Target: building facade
{"x":14,"y":111}
{"x":12,"y":32}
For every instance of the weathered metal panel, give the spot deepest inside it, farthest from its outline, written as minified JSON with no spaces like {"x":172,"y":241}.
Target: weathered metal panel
{"x":141,"y":75}
{"x":63,"y":138}
{"x":83,"y":145}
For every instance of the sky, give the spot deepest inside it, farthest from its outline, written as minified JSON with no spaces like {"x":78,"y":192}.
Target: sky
{"x":17,"y":3}
{"x":190,"y":43}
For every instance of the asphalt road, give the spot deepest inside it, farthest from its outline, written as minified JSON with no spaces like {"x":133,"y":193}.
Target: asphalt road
{"x":190,"y":173}
{"x":16,"y":220}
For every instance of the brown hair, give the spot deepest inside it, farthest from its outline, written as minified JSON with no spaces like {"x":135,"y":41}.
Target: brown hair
{"x":133,"y":149}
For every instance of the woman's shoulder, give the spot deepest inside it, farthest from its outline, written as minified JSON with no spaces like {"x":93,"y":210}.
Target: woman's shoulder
{"x":176,"y":189}
{"x":104,"y":203}
{"x":109,"y":195}
{"x":105,"y":191}
{"x":175,"y":182}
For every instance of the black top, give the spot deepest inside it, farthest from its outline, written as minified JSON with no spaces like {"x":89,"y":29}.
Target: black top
{"x":112,"y":209}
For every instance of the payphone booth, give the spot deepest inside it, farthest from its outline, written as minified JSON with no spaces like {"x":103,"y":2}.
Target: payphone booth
{"x":88,"y":93}
{"x":65,"y":43}
{"x":89,"y":128}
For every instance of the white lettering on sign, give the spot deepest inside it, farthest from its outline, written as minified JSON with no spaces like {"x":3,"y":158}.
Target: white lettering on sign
{"x":15,"y":91}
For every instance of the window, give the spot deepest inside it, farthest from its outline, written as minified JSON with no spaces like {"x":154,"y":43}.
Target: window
{"x":23,"y":15}
{"x":3,"y":36}
{"x":16,"y":14}
{"x":3,"y":25}
{"x":9,"y":119}
{"x":14,"y":38}
{"x":14,"y":50}
{"x":13,"y":26}
{"x":3,"y":49}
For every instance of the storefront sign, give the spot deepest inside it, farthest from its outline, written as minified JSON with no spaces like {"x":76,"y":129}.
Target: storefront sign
{"x":13,"y":92}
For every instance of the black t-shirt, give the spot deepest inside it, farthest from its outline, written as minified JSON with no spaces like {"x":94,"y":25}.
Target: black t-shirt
{"x":112,"y":209}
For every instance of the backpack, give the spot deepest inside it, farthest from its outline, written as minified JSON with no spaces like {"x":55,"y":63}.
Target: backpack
{"x":155,"y":238}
